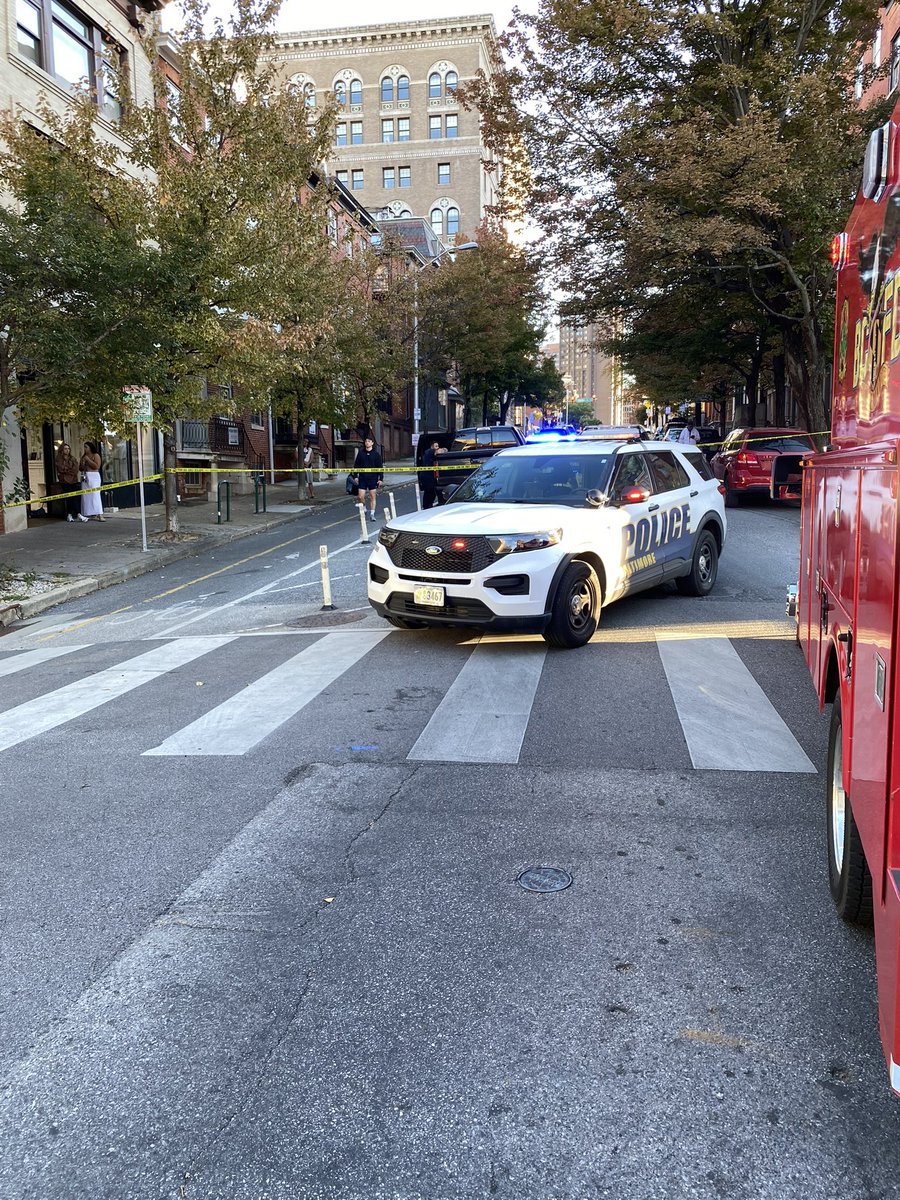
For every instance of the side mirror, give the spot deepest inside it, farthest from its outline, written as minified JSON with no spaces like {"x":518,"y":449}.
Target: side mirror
{"x":595,"y":498}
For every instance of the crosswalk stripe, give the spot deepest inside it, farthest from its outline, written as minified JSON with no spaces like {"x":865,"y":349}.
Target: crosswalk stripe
{"x":33,"y":658}
{"x":484,"y":715}
{"x":728,"y":721}
{"x":83,"y":695}
{"x":239,"y":723}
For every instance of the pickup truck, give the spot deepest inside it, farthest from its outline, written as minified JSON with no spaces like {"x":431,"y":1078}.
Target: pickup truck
{"x":467,"y":449}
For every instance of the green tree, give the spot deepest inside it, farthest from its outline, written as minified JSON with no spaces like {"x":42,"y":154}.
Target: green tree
{"x":231,"y":210}
{"x":481,"y":321}
{"x":699,"y":140}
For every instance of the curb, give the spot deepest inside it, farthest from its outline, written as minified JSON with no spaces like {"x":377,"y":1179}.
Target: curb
{"x":24,"y":610}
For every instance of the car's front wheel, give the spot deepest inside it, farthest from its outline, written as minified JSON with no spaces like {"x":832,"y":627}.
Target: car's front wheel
{"x":576,"y":608}
{"x":704,"y":568}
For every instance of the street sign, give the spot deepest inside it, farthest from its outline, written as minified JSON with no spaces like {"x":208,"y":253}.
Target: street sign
{"x":138,"y":404}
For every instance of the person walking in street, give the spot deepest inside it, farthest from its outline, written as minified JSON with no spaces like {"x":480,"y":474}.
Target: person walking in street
{"x":308,"y":457}
{"x":67,"y":476}
{"x":369,"y":469}
{"x":690,"y":434}
{"x":89,"y":465}
{"x":428,"y":476}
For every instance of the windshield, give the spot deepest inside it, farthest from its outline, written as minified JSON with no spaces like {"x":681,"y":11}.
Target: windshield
{"x":536,"y":479}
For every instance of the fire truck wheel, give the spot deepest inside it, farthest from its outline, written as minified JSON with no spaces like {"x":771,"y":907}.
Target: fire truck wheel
{"x":704,"y":568}
{"x":732,"y":498}
{"x":848,"y":872}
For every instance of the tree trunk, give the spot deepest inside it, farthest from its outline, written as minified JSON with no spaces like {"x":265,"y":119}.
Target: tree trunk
{"x":484,"y":407}
{"x":505,"y":401}
{"x":779,"y":382}
{"x":170,"y":481}
{"x":805,"y":364}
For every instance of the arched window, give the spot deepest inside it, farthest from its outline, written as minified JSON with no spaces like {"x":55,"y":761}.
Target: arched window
{"x":434,"y":85}
{"x":356,"y":91}
{"x":387,"y":90}
{"x":403,"y":87}
{"x":450,"y":83}
{"x":340,"y":92}
{"x":452,"y":221}
{"x":437,"y":221}
{"x":309,"y":95}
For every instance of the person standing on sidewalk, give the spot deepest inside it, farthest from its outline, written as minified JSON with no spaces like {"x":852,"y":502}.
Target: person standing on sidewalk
{"x":67,"y":475}
{"x":308,"y":456}
{"x":369,"y":468}
{"x":91,"y":504}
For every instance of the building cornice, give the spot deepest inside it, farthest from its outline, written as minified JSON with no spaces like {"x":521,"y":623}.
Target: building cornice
{"x":395,"y":31}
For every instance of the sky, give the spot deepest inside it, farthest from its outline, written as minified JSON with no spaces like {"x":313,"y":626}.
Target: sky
{"x":300,"y":15}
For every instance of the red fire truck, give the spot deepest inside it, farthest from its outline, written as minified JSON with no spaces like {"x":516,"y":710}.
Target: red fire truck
{"x":848,"y":597}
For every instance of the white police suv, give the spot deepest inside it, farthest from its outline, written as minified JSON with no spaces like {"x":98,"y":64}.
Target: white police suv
{"x":542,"y":536}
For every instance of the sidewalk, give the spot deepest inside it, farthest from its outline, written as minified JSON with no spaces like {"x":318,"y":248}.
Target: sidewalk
{"x":54,"y":560}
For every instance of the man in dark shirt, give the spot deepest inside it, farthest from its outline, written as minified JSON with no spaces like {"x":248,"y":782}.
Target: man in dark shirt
{"x":369,"y":468}
{"x":428,"y":477}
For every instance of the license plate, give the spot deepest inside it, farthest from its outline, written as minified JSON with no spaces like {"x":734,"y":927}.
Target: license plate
{"x":431,"y":596}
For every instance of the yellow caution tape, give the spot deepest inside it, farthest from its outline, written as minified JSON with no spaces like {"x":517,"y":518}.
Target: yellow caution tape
{"x":104,"y":487}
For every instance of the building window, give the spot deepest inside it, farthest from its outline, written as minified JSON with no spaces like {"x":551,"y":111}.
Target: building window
{"x":451,"y":83}
{"x":858,"y":79}
{"x":452,"y":121}
{"x":340,"y":92}
{"x":340,"y":133}
{"x":257,"y":420}
{"x":403,"y":87}
{"x":356,"y":179}
{"x":387,"y":90}
{"x":443,"y":172}
{"x":309,"y":95}
{"x":75,"y":52}
{"x":876,"y":48}
{"x":434,"y":86}
{"x":437,"y":221}
{"x":452,"y":222}
{"x":356,"y":133}
{"x":356,"y":91}
{"x":387,"y":177}
{"x":405,"y":174}
{"x":342,"y":177}
{"x":332,"y":229}
{"x":387,"y":130}
{"x":434,"y":127}
{"x":895,"y":61}
{"x":403,"y":129}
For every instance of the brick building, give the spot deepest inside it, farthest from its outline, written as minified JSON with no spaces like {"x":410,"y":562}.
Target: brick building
{"x":404,"y":144}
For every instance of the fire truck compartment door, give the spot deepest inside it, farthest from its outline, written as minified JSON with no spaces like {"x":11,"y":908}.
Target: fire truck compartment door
{"x":872,"y":661}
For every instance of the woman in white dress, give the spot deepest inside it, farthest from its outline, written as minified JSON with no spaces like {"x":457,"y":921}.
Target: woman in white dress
{"x":91,"y":504}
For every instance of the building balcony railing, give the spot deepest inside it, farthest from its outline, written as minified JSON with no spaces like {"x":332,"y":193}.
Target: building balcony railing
{"x":226,"y":437}
{"x":193,"y":437}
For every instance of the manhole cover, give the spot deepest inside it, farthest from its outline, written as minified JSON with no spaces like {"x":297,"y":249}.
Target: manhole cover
{"x":544,"y":879}
{"x":320,"y":619}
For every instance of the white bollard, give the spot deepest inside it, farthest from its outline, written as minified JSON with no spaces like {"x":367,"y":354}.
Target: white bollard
{"x":418,"y":495}
{"x":362,"y":521}
{"x":326,"y":579}
{"x":387,"y":514}
{"x":392,"y":504}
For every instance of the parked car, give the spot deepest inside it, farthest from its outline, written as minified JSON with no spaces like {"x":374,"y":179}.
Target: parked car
{"x":747,"y":458}
{"x":467,"y":448}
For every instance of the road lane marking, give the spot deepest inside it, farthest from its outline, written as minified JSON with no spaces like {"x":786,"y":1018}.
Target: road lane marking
{"x":728,"y":721}
{"x":31,"y":658}
{"x":83,"y":695}
{"x":199,"y":579}
{"x":206,"y":613}
{"x":241,"y":722}
{"x":484,"y":715}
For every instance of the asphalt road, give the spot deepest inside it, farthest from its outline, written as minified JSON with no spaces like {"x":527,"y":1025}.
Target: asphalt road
{"x":252,"y":946}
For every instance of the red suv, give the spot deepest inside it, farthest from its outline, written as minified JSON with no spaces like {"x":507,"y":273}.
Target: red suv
{"x":744,"y":463}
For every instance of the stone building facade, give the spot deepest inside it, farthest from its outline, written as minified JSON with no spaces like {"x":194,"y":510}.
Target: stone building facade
{"x":589,"y":374}
{"x":404,"y":144}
